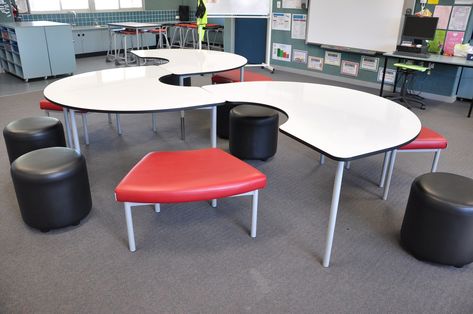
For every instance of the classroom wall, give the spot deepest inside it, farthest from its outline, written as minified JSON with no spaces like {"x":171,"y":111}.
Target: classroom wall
{"x":168,"y":4}
{"x":442,"y":80}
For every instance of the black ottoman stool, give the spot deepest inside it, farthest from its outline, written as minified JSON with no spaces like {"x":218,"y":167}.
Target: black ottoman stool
{"x":25,"y":135}
{"x":223,"y":120}
{"x":52,"y":187}
{"x":438,"y":223}
{"x":253,"y":132}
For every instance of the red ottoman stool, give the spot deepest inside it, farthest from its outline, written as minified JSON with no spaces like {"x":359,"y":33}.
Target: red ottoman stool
{"x":187,"y":176}
{"x":427,"y":141}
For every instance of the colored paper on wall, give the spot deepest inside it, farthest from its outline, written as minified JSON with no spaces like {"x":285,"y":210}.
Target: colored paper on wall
{"x":390,"y":76}
{"x":459,"y":18}
{"x":349,"y":68}
{"x":443,"y":13}
{"x":281,"y":21}
{"x":299,"y":24}
{"x":333,"y":58}
{"x":433,"y":1}
{"x":299,"y":56}
{"x":315,"y":63}
{"x":291,"y":4}
{"x":282,"y":52}
{"x":451,"y":40}
{"x":436,"y":45}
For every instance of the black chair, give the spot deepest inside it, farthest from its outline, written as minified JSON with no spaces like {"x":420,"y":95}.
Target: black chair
{"x":28,"y":134}
{"x":253,"y":132}
{"x":438,"y":223}
{"x":52,"y":187}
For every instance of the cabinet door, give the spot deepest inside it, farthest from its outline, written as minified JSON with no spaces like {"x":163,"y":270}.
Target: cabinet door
{"x":95,"y":40}
{"x":61,"y":49}
{"x":33,"y":50}
{"x":77,"y":39}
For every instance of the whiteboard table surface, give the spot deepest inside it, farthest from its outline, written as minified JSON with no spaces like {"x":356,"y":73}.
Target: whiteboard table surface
{"x":194,"y":61}
{"x":341,"y":123}
{"x":126,"y":90}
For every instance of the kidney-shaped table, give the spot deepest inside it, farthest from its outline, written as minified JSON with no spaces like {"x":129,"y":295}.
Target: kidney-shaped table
{"x":341,"y":123}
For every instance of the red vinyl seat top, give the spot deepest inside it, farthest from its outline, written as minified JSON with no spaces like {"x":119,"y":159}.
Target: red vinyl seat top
{"x":188,"y":176}
{"x":233,"y":76}
{"x":427,"y":139}
{"x":45,"y":104}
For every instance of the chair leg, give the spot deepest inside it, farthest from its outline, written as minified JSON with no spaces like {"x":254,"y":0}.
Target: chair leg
{"x":348,"y":165}
{"x":387,"y":183}
{"x":119,"y":126}
{"x":47,"y":113}
{"x":436,"y":160}
{"x":84,"y":125}
{"x":154,"y":118}
{"x":157,"y":208}
{"x":129,"y":227}
{"x":387,"y":155}
{"x":183,"y":126}
{"x":254,"y":214}
{"x":322,"y":159}
{"x":109,"y":118}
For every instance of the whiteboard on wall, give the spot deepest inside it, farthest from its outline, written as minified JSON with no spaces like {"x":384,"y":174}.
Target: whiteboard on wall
{"x":360,"y":24}
{"x":238,"y":7}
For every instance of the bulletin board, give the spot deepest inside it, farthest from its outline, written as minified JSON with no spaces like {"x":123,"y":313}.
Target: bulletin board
{"x":366,"y":24}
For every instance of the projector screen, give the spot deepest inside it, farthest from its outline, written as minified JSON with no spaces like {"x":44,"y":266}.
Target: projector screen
{"x":237,"y":7}
{"x":360,"y":24}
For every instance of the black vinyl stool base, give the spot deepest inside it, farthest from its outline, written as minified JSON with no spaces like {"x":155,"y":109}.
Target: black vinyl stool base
{"x":52,"y":188}
{"x":253,"y":132}
{"x":438,"y":223}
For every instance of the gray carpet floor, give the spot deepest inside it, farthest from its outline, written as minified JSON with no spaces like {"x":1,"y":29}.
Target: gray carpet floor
{"x":192,"y":258}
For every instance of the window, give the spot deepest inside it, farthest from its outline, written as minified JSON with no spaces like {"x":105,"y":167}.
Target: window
{"x":38,"y":6}
{"x":58,"y":5}
{"x":117,"y":4}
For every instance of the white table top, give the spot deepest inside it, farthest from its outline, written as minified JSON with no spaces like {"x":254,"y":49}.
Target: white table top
{"x":127,"y":90}
{"x":193,"y":61}
{"x":135,"y":25}
{"x":341,"y":123}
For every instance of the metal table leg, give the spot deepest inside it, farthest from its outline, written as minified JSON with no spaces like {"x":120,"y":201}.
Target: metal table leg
{"x":337,"y":186}
{"x":75,"y":135}
{"x":68,"y":128}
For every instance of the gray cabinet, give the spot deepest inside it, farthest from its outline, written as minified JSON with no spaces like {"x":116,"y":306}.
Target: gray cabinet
{"x":36,"y":49}
{"x":90,"y":40}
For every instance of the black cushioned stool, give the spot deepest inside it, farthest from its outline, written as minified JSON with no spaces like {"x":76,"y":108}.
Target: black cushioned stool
{"x":253,"y":132}
{"x":438,"y":223}
{"x":52,"y":187}
{"x":223,"y":120}
{"x":25,"y":135}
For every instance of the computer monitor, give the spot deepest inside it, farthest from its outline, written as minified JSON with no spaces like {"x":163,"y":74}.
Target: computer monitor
{"x":420,"y":28}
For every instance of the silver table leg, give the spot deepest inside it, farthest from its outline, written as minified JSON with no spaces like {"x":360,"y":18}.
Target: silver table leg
{"x":75,"y":135}
{"x":68,"y":128}
{"x":337,"y":186}
{"x":183,"y":122}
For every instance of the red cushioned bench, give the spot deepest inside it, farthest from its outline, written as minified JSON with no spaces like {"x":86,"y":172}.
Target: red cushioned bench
{"x":187,"y":176}
{"x":233,"y":76}
{"x":427,"y":141}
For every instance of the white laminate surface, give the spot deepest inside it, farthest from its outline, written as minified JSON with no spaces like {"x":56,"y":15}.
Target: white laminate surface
{"x":340,"y":122}
{"x":135,"y":25}
{"x":132,"y":89}
{"x":194,"y":61}
{"x":33,"y":24}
